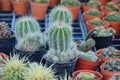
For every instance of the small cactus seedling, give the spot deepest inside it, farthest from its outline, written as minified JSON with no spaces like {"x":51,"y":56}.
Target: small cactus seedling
{"x":70,"y":2}
{"x":93,"y":3}
{"x":112,"y":66}
{"x":89,"y":56}
{"x":4,"y":30}
{"x":110,"y":52}
{"x":93,"y":12}
{"x":113,"y":17}
{"x":60,"y":14}
{"x":115,"y":77}
{"x":86,"y":76}
{"x":41,"y":1}
{"x":112,"y":6}
{"x":96,"y":22}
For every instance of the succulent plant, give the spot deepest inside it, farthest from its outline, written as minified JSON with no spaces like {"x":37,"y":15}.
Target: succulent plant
{"x":60,"y":14}
{"x":112,"y":6}
{"x":96,"y":22}
{"x":93,"y":12}
{"x":110,"y":52}
{"x":26,"y":25}
{"x":94,"y":3}
{"x":32,"y":42}
{"x":41,"y":1}
{"x":14,"y":68}
{"x":112,"y":66}
{"x":70,"y":2}
{"x":86,"y":76}
{"x":38,"y":72}
{"x":5,"y":30}
{"x":85,"y":45}
{"x":113,"y":17}
{"x":115,"y":77}
{"x":89,"y":56}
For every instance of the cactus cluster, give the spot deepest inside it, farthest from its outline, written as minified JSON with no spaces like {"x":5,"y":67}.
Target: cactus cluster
{"x":112,"y":6}
{"x":41,"y":1}
{"x":113,"y":17}
{"x":94,"y":3}
{"x":113,"y":66}
{"x":4,"y":30}
{"x":85,"y":45}
{"x":93,"y":12}
{"x":110,"y":52}
{"x":89,"y":56}
{"x":60,"y":14}
{"x":115,"y":77}
{"x":70,"y":2}
{"x":86,"y":76}
{"x":96,"y":22}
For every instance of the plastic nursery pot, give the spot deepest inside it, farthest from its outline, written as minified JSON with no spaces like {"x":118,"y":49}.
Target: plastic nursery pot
{"x":20,"y":7}
{"x":6,"y":4}
{"x":62,"y":68}
{"x":104,"y":59}
{"x":102,"y":42}
{"x":86,"y":65}
{"x":107,"y":74}
{"x":53,"y":2}
{"x":91,"y":27}
{"x":87,"y":17}
{"x":103,"y":2}
{"x":39,"y":10}
{"x":32,"y":56}
{"x":99,"y":76}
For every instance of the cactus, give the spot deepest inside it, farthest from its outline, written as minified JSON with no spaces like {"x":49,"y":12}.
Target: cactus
{"x":14,"y":68}
{"x":112,"y":66}
{"x":89,"y":56}
{"x":32,"y":42}
{"x":26,"y":25}
{"x":110,"y":52}
{"x":115,"y":77}
{"x":112,"y":6}
{"x":4,"y":30}
{"x":96,"y":22}
{"x":93,"y":12}
{"x":70,"y":2}
{"x":94,"y":3}
{"x":60,"y":14}
{"x":38,"y":72}
{"x":113,"y":17}
{"x":41,"y":1}
{"x":86,"y":76}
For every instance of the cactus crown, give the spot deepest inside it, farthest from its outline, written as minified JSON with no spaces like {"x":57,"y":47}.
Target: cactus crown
{"x":113,"y":17}
{"x":41,"y":1}
{"x":113,"y":65}
{"x":60,"y":14}
{"x":14,"y":68}
{"x":96,"y":22}
{"x":70,"y":2}
{"x":89,"y":56}
{"x":93,"y":12}
{"x":112,"y":6}
{"x":26,"y":25}
{"x":38,"y":72}
{"x":5,"y":30}
{"x":115,"y":77}
{"x":93,"y":3}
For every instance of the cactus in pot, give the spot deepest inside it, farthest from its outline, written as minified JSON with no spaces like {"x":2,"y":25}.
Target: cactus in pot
{"x":112,"y":6}
{"x":96,"y":22}
{"x":93,"y":3}
{"x":70,"y":2}
{"x":115,"y":77}
{"x":93,"y":12}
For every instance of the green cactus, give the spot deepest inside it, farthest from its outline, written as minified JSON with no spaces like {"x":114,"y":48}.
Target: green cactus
{"x":70,"y":2}
{"x":96,"y":22}
{"x":41,"y":1}
{"x":61,"y":14}
{"x":113,"y":17}
{"x":112,"y":6}
{"x":26,"y":25}
{"x":94,"y":3}
{"x":93,"y":12}
{"x":115,"y":77}
{"x":32,"y":42}
{"x":14,"y":68}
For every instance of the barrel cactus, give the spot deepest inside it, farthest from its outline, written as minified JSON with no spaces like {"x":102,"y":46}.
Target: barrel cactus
{"x":96,"y":22}
{"x":60,"y":14}
{"x":112,"y":6}
{"x":93,"y":3}
{"x":26,"y":25}
{"x":93,"y":12}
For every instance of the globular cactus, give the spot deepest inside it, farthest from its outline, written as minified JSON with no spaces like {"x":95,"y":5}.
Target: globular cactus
{"x":41,"y":1}
{"x":113,"y":17}
{"x":89,"y":56}
{"x":26,"y":25}
{"x":112,"y":6}
{"x":96,"y":22}
{"x":93,"y":12}
{"x":5,"y":30}
{"x":70,"y":2}
{"x":32,"y":42}
{"x":115,"y":77}
{"x":94,"y":3}
{"x":60,"y":14}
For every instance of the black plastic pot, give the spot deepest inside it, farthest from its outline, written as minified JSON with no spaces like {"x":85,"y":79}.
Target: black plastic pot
{"x":61,"y":68}
{"x":7,"y":44}
{"x":83,"y":0}
{"x":35,"y":56}
{"x":102,"y":42}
